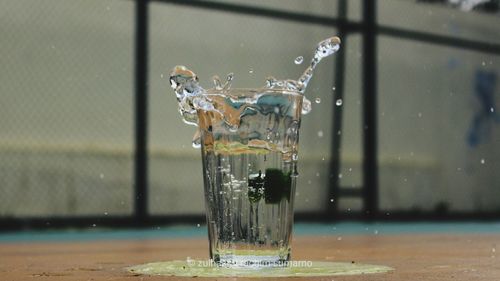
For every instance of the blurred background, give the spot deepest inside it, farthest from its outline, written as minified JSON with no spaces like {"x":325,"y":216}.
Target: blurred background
{"x":90,"y":132}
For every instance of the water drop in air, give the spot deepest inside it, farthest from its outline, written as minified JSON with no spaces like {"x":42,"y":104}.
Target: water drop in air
{"x":317,"y":100}
{"x":198,"y":225}
{"x":333,"y":88}
{"x":492,"y":109}
{"x":320,"y":134}
{"x":338,"y":102}
{"x":331,"y":200}
{"x":299,"y":60}
{"x":306,"y":106}
{"x":483,"y":161}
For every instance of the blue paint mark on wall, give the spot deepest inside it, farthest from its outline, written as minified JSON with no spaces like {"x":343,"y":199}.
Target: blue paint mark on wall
{"x":487,"y":114}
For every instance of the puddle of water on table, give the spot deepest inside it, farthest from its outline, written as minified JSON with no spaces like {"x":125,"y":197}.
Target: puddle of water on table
{"x":201,"y":268}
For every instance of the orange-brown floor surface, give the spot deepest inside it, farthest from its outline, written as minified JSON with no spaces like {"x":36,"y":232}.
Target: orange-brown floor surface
{"x":413,"y":257}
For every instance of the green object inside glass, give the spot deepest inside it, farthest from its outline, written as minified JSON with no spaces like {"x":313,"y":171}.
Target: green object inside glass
{"x":274,"y":186}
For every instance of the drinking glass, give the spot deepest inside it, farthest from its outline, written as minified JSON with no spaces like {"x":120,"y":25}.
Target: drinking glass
{"x":249,"y":143}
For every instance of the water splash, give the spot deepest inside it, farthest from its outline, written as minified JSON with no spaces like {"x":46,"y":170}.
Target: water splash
{"x":192,"y":97}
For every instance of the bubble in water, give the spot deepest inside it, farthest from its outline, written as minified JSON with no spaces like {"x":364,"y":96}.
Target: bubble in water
{"x":198,"y":225}
{"x":483,"y":161}
{"x":250,"y":71}
{"x":331,"y":200}
{"x":317,"y":100}
{"x":333,"y":88}
{"x":320,"y":134}
{"x":375,"y":232}
{"x":338,"y":102}
{"x":339,"y":238}
{"x":299,"y":60}
{"x":419,"y":114}
{"x":492,"y":109}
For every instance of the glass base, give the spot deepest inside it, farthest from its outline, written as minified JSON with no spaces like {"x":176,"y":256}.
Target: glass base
{"x":251,"y":260}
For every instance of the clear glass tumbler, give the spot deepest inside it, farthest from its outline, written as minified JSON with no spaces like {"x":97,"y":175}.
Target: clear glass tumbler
{"x":249,"y":143}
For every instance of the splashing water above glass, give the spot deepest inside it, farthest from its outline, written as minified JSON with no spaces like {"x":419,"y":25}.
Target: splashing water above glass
{"x":192,"y":97}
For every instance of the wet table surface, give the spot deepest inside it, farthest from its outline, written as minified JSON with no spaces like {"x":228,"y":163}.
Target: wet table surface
{"x":423,"y":256}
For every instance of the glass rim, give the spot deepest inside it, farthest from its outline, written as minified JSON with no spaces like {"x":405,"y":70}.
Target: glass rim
{"x":250,"y":91}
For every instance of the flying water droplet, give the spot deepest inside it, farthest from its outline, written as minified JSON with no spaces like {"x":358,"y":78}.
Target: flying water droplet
{"x":483,"y":161}
{"x":217,"y":82}
{"x":333,"y":88}
{"x":320,"y":134}
{"x":306,"y":106}
{"x":299,"y":60}
{"x":197,"y":139}
{"x":270,"y":82}
{"x":317,"y":100}
{"x":338,"y":102}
